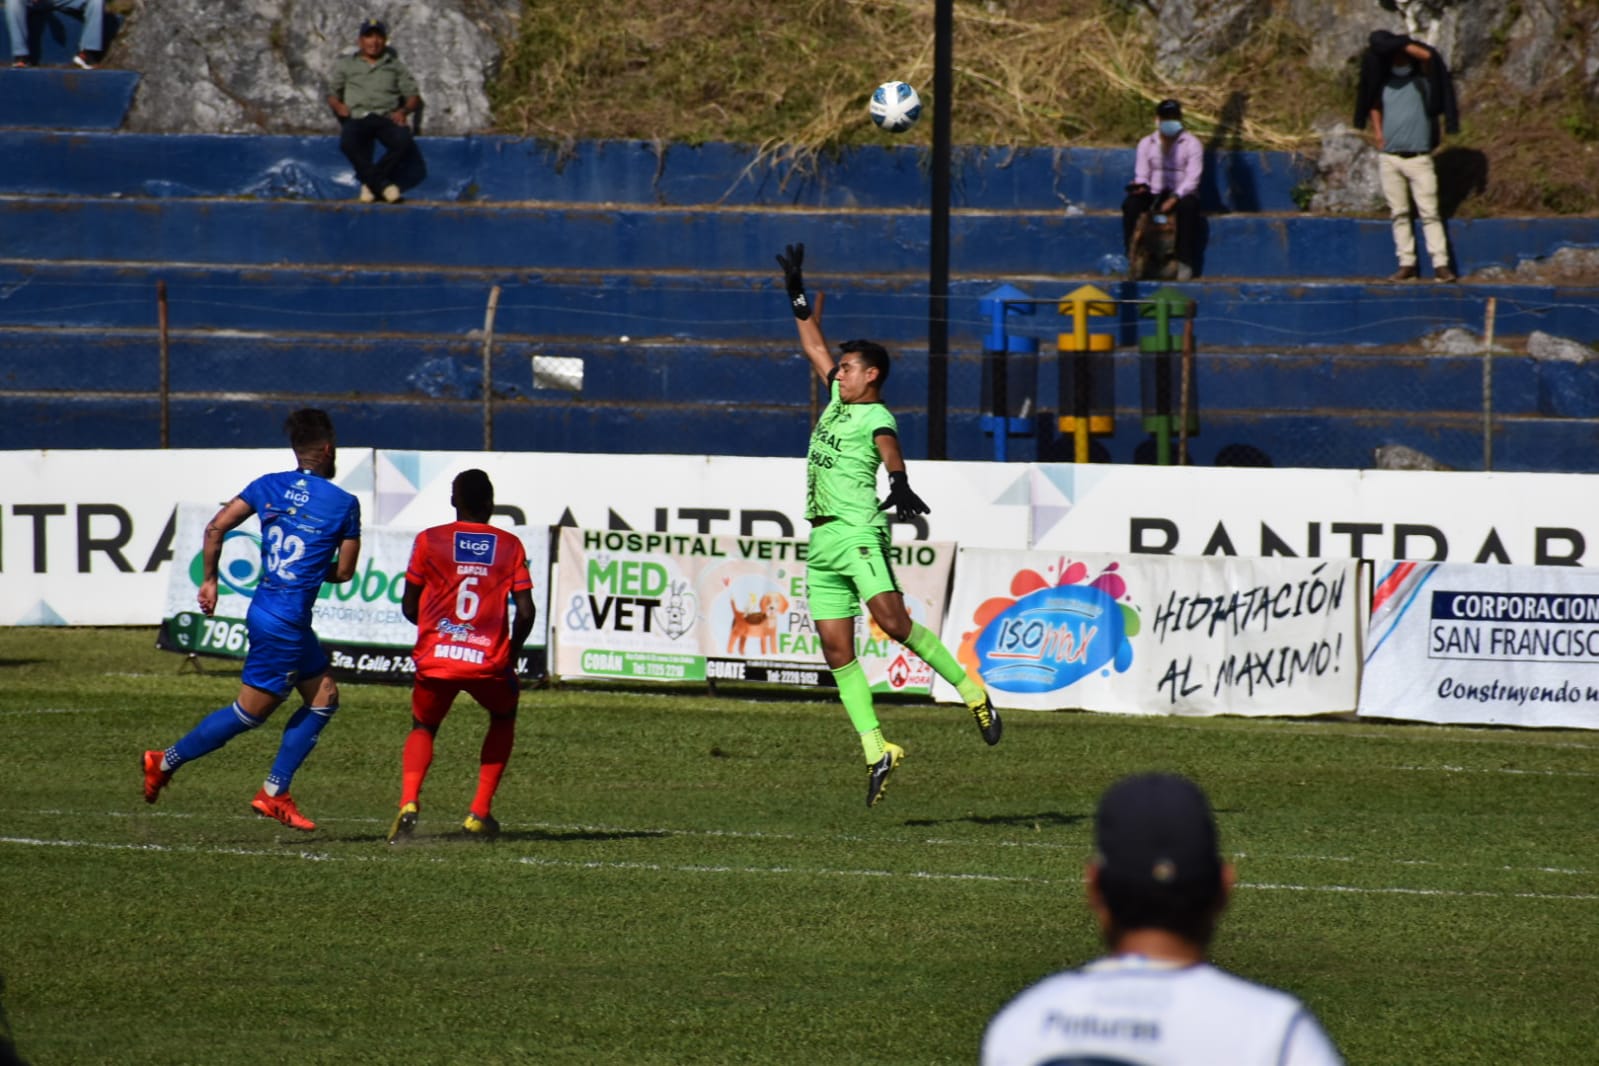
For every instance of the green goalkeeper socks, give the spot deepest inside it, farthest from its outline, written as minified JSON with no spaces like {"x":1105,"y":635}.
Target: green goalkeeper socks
{"x":925,"y":643}
{"x":856,"y":693}
{"x":873,"y":744}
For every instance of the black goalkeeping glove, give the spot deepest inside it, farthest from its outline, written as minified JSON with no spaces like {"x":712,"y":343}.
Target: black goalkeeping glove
{"x":906,"y":504}
{"x":790,"y":260}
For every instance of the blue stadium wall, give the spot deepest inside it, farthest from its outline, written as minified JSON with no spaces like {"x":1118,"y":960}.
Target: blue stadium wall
{"x":652,"y":269}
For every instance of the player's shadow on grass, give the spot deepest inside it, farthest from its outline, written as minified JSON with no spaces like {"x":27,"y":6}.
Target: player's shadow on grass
{"x":578,"y":836}
{"x":1053,"y":819}
{"x":459,"y":838}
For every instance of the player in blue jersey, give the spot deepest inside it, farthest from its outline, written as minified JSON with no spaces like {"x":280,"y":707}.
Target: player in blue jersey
{"x":310,"y":533}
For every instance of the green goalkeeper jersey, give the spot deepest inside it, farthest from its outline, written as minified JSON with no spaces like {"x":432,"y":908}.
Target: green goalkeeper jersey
{"x":841,"y":466}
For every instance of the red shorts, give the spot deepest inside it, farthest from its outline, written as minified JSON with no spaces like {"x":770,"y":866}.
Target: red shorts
{"x":431,"y":697}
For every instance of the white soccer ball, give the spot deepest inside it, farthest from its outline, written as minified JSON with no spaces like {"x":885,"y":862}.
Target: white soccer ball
{"x":895,"y":106}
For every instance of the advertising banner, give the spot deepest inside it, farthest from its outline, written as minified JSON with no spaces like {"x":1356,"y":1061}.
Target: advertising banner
{"x":86,"y":537}
{"x":1506,"y":519}
{"x":359,"y":622}
{"x":981,"y":504}
{"x":685,"y":607}
{"x":1500,"y":645}
{"x":1157,"y":635}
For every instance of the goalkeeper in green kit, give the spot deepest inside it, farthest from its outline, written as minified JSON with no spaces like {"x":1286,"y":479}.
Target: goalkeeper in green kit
{"x":848,"y":559}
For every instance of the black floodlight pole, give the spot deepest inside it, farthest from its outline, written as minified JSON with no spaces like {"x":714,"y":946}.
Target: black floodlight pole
{"x":938,"y":265}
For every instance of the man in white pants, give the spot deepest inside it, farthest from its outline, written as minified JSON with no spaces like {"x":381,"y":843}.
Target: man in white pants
{"x":1404,"y":124}
{"x":1157,"y":885}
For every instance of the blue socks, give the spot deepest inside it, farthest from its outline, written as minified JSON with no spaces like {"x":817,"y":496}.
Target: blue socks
{"x":299,"y":737}
{"x":225,"y":723}
{"x":214,"y":730}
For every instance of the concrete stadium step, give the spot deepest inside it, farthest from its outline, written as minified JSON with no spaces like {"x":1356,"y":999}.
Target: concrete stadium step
{"x":1329,"y":408}
{"x":709,"y":307}
{"x":66,"y":98}
{"x":505,"y":169}
{"x":1225,"y":438}
{"x":568,"y":237}
{"x":1366,"y":382}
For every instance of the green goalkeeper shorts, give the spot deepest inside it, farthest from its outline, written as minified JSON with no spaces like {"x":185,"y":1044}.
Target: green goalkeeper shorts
{"x":844,"y":565}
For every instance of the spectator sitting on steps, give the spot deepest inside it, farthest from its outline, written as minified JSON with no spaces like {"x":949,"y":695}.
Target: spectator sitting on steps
{"x":90,"y":46}
{"x":1166,"y":173}
{"x":374,"y":97}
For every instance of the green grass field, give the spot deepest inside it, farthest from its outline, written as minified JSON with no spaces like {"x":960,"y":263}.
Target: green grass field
{"x":686,"y":878}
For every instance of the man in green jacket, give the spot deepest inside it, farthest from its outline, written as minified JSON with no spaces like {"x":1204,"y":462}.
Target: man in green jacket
{"x":374,"y":97}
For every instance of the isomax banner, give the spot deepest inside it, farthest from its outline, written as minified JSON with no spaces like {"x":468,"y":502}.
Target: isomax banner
{"x":1506,"y":645}
{"x":686,"y":607}
{"x":359,"y":621}
{"x":1157,"y":635}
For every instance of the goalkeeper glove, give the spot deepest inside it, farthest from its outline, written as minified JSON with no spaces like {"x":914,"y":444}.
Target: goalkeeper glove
{"x":906,"y":504}
{"x":795,"y":280}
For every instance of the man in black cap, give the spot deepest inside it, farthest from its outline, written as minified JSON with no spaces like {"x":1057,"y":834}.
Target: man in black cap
{"x":1167,"y":167}
{"x":1406,"y":93}
{"x":1157,"y":884}
{"x":374,"y":97}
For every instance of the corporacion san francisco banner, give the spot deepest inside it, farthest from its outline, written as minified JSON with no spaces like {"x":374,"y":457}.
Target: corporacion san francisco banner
{"x":1142,"y":634}
{"x":657,"y":606}
{"x":1491,"y":645}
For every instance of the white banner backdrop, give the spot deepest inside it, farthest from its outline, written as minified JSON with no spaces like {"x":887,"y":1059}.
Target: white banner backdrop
{"x":982,"y":504}
{"x":1505,"y":645}
{"x":685,"y":607}
{"x":1518,"y":519}
{"x":1157,"y":635}
{"x":85,"y":537}
{"x":359,"y":621}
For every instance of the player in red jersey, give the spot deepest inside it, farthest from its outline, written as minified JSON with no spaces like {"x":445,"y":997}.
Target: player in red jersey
{"x":457,"y":586}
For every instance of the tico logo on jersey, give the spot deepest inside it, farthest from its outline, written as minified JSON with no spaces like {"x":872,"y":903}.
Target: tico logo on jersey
{"x":475,"y":548}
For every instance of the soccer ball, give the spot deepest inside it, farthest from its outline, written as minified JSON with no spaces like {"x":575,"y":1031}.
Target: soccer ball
{"x":895,"y":106}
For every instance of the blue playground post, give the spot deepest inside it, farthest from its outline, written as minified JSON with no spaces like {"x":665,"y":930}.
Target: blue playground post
{"x":999,"y":343}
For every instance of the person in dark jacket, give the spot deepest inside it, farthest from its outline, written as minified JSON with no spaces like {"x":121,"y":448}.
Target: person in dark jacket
{"x":1405,"y":94}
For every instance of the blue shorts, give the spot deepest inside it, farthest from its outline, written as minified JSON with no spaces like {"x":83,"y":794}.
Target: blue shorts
{"x":282,"y":653}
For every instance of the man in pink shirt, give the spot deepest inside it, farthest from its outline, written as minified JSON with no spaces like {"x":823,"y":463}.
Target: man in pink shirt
{"x":1166,"y":176}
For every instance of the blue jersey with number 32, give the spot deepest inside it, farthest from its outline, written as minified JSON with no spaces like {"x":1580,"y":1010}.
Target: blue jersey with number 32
{"x":304,"y":519}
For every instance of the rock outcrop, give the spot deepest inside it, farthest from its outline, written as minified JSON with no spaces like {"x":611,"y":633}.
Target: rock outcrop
{"x":257,"y":67}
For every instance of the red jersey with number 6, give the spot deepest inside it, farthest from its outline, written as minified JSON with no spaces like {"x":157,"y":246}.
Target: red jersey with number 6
{"x":463,"y":625}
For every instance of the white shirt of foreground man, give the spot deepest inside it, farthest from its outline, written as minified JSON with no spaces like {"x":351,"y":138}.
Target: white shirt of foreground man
{"x":1157,"y":885}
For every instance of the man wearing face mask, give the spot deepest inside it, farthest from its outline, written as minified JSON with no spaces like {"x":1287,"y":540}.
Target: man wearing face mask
{"x":1405,"y":90}
{"x":1166,"y":172}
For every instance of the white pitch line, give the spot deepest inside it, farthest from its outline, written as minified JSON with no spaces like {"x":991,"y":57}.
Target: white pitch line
{"x":1081,"y":849}
{"x":1336,"y":731}
{"x":1398,"y":891}
{"x":51,"y":710}
{"x":687,"y":868}
{"x":176,"y":849}
{"x":656,"y":867}
{"x":1448,"y":769}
